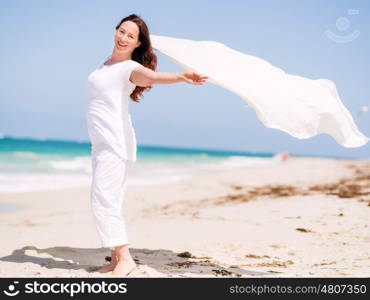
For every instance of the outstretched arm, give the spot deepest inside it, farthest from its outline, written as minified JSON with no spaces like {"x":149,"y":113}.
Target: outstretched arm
{"x":145,"y":77}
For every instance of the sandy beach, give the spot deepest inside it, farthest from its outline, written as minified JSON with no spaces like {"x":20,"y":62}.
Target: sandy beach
{"x":304,"y":217}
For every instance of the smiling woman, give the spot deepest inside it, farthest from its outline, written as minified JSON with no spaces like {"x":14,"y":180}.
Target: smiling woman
{"x":126,"y":73}
{"x":121,"y":33}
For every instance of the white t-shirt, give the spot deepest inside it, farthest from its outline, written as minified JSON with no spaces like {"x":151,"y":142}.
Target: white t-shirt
{"x":108,"y":120}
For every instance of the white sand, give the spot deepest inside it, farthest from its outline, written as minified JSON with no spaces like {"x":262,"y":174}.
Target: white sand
{"x":54,"y":235}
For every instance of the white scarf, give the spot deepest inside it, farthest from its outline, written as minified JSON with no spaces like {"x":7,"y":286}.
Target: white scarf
{"x":299,"y":106}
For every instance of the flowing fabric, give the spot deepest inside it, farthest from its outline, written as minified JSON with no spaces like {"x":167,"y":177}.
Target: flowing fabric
{"x":299,"y":106}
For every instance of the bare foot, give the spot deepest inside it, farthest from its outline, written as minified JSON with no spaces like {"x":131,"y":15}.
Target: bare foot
{"x":107,"y":268}
{"x":111,"y":266}
{"x":124,"y":267}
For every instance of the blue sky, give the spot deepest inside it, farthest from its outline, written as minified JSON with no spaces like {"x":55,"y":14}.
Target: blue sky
{"x":48,"y":48}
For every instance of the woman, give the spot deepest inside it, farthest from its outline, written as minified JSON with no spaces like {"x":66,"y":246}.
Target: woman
{"x":125,"y":74}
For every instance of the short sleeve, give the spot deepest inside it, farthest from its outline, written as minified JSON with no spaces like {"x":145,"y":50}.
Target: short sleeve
{"x":129,"y":67}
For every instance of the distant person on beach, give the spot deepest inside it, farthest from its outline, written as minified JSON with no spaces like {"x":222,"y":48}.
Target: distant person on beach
{"x":284,"y":156}
{"x":281,"y":157}
{"x":126,"y":73}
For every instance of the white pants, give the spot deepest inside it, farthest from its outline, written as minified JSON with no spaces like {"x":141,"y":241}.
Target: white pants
{"x":108,"y":188}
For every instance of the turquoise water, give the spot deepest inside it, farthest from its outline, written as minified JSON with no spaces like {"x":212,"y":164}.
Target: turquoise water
{"x":35,"y":156}
{"x":29,"y":164}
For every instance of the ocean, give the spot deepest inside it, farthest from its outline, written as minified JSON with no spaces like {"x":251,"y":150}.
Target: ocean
{"x":29,"y":164}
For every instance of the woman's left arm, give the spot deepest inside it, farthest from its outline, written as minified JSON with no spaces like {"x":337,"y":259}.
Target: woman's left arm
{"x":145,"y":77}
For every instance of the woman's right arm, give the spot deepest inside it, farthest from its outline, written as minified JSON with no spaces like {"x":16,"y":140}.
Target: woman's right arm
{"x":145,"y":77}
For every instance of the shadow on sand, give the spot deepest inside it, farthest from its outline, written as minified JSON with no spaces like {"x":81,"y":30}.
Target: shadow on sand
{"x":164,"y":262}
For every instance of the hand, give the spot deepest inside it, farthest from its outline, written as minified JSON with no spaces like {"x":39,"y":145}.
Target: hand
{"x":193,"y":78}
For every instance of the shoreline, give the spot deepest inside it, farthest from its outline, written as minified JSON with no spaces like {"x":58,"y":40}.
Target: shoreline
{"x":174,"y":179}
{"x":142,"y":173}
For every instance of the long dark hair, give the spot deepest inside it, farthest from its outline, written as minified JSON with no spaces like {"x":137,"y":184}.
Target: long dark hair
{"x":143,"y":54}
